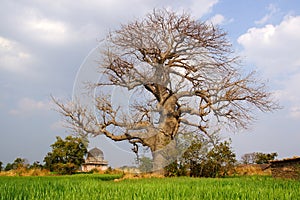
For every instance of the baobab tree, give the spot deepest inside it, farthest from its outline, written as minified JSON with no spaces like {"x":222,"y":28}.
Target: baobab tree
{"x":184,"y":75}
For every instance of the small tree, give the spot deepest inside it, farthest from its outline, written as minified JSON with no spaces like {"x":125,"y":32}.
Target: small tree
{"x":248,"y":158}
{"x":219,"y":160}
{"x":66,"y":156}
{"x":1,"y":163}
{"x":196,"y":154}
{"x":264,"y":158}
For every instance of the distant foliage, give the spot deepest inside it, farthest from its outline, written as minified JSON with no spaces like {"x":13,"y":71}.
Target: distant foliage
{"x":66,"y":156}
{"x":264,"y":158}
{"x":258,"y":158}
{"x":17,"y":164}
{"x":8,"y":167}
{"x":36,"y":165}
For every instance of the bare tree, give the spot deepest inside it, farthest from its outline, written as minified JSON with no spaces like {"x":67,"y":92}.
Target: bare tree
{"x":248,"y":158}
{"x":184,"y":75}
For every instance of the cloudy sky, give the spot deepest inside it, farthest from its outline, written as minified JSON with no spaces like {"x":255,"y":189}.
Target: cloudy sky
{"x":44,"y":43}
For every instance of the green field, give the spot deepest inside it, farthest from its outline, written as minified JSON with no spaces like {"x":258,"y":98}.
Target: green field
{"x":103,"y":187}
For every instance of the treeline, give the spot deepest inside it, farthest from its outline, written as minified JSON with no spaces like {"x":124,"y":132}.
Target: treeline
{"x":19,"y":163}
{"x":258,"y":158}
{"x":66,"y":157}
{"x":204,"y":158}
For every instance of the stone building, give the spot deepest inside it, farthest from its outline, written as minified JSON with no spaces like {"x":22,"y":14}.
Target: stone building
{"x":94,"y":161}
{"x":286,"y":168}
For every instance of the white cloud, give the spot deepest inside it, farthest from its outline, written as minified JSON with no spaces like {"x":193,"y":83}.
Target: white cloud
{"x":30,"y":106}
{"x":200,"y":8}
{"x":43,"y":27}
{"x":272,"y":9}
{"x":290,"y":94}
{"x":13,"y":57}
{"x":47,"y":30}
{"x":64,"y":22}
{"x":217,"y":19}
{"x":274,"y":50}
{"x":295,"y":112}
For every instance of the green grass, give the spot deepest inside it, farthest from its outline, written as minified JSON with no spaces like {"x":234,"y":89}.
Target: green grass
{"x":102,"y":187}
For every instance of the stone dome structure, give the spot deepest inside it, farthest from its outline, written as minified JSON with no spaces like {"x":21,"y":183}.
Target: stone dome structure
{"x":94,"y":160}
{"x":95,"y":154}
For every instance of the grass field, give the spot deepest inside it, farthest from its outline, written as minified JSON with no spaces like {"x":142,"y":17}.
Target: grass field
{"x":103,"y":187}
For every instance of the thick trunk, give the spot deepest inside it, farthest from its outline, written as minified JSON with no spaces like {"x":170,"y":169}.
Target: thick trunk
{"x":163,"y":144}
{"x":164,"y":157}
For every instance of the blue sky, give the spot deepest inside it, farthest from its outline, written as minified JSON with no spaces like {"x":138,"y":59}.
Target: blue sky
{"x":43,"y":44}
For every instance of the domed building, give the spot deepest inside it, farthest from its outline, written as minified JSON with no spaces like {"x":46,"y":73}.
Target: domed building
{"x":94,"y":160}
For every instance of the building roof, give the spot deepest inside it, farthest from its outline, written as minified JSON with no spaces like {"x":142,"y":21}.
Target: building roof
{"x":95,"y":156}
{"x":95,"y":152}
{"x":296,"y":158}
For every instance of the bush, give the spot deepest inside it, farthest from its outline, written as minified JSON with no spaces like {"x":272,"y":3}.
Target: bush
{"x":216,"y":162}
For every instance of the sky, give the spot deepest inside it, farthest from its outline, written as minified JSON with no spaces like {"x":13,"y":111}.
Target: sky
{"x":44,"y":44}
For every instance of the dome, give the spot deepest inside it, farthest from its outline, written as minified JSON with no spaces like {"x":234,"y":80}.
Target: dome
{"x":95,"y":154}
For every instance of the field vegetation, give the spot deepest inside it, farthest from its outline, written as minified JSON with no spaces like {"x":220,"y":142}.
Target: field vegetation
{"x":95,"y":186}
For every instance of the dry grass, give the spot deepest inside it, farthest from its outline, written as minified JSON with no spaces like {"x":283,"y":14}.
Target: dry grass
{"x":139,"y":176}
{"x":253,"y":169}
{"x":25,"y":172}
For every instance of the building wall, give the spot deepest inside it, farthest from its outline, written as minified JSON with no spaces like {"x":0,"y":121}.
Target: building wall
{"x":286,"y":169}
{"x":89,"y":167}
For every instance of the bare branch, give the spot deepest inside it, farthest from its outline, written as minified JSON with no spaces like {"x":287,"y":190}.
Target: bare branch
{"x":184,"y":75}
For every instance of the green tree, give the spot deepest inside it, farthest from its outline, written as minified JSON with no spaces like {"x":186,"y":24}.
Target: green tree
{"x":176,"y":168}
{"x":196,"y":154}
{"x":67,"y":155}
{"x":219,"y":160}
{"x":1,"y":163}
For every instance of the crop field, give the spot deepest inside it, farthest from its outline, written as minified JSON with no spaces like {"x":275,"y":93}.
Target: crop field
{"x":103,"y":187}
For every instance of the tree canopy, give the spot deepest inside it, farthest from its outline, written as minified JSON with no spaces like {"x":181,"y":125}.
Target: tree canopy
{"x":184,"y":76}
{"x":67,"y":155}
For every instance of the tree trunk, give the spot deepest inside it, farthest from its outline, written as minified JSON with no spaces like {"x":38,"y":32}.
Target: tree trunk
{"x":163,"y":144}
{"x":164,"y":157}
